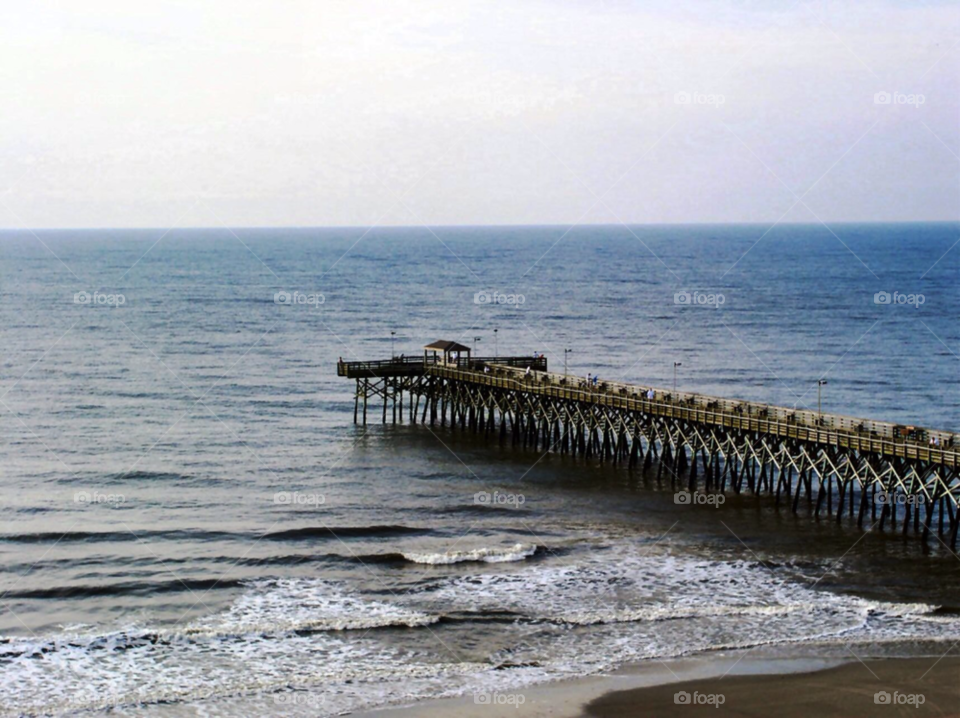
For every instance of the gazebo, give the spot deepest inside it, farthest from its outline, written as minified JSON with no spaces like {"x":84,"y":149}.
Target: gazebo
{"x":446,"y":348}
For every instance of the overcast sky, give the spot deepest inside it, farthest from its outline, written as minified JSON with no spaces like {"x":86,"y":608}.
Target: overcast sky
{"x":210,"y":112}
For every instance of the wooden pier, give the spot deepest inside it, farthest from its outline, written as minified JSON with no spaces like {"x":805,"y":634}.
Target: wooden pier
{"x":893,"y":476}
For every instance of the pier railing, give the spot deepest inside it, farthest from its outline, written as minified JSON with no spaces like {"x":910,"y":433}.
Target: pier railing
{"x":848,"y":432}
{"x":522,"y":362}
{"x":385,"y":367}
{"x":413,"y":365}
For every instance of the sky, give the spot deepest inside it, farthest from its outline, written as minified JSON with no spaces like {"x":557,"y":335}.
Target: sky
{"x":407,"y":112}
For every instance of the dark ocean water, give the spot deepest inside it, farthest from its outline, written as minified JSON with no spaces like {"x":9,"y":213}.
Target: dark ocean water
{"x":143,"y":556}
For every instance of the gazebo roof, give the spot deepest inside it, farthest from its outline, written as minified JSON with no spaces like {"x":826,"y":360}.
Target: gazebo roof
{"x":445,"y":346}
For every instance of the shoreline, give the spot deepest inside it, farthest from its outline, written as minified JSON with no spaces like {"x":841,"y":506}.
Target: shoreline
{"x":799,"y":686}
{"x":570,"y":698}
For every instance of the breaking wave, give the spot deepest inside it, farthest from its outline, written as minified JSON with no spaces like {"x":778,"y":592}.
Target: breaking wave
{"x":517,"y":552}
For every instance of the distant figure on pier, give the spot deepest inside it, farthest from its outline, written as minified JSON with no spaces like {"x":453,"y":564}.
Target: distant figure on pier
{"x":596,"y":378}
{"x":650,"y":393}
{"x":589,"y":380}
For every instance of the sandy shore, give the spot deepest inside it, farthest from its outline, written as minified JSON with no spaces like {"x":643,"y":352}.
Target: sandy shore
{"x":727,"y":685}
{"x":892,"y":687}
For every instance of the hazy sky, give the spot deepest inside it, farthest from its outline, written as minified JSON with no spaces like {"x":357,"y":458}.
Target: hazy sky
{"x":203,"y":112}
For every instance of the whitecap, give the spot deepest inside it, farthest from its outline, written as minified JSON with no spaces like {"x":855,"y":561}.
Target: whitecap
{"x":517,"y":552}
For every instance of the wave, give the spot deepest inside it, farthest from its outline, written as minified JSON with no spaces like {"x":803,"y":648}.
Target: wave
{"x":127,"y":640}
{"x":393,"y":558}
{"x":481,"y":510}
{"x":309,"y":532}
{"x":517,"y":552}
{"x":281,"y":605}
{"x":205,"y":535}
{"x":139,"y":395}
{"x":305,"y":403}
{"x":287,"y":633}
{"x":125,"y":589}
{"x":118,"y":536}
{"x":269,"y":608}
{"x":165,"y":477}
{"x":151,"y":476}
{"x":668,"y":613}
{"x":296,"y":559}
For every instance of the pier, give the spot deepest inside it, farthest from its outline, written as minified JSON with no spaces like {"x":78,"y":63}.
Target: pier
{"x":897,"y":477}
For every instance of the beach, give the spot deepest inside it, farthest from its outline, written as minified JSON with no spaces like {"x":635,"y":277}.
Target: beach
{"x":891,"y":687}
{"x":732,"y":685}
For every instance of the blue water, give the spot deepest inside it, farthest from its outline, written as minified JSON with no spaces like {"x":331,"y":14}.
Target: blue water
{"x":143,"y":445}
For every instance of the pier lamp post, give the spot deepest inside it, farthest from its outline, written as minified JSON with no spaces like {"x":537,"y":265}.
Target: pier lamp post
{"x":565,"y":353}
{"x":820,"y":384}
{"x":393,"y":354}
{"x":475,"y":340}
{"x":496,"y":345}
{"x":675,"y":365}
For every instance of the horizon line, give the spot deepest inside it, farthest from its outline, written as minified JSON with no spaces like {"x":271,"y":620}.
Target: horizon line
{"x":558,"y":225}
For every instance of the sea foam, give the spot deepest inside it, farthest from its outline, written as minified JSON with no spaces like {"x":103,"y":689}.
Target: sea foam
{"x":517,"y":552}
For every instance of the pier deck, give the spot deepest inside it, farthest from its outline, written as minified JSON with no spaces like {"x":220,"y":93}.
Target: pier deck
{"x":741,"y":445}
{"x":418,"y":366}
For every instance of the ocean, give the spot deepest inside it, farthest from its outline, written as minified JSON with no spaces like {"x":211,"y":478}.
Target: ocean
{"x":192,"y":524}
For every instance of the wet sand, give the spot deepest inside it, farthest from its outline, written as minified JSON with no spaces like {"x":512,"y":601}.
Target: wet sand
{"x":891,"y":687}
{"x":749,"y":687}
